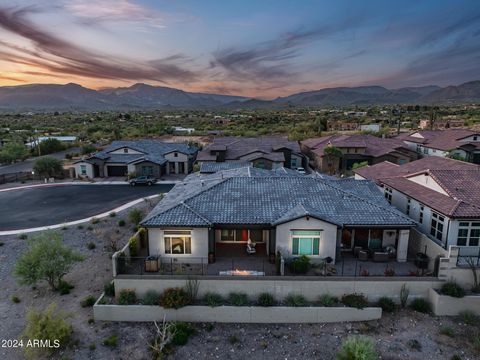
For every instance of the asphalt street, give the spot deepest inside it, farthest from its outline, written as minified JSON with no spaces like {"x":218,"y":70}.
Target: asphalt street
{"x":28,"y":208}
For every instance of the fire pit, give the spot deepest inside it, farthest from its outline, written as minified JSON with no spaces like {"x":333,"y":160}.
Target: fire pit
{"x":237,"y":272}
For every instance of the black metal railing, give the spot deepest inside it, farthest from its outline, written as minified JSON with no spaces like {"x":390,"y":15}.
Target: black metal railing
{"x":261,"y":266}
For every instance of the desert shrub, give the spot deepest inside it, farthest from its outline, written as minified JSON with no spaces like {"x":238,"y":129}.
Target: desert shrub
{"x":404,"y":293}
{"x":414,"y":344}
{"x":295,"y":300}
{"x":135,"y":216}
{"x":94,"y":220}
{"x":456,"y":357}
{"x":113,"y":214}
{"x":23,"y":236}
{"x":109,"y":289}
{"x":151,"y":298}
{"x":133,"y":246}
{"x":15,"y":299}
{"x":88,"y":301}
{"x":2,"y":243}
{"x":121,"y":222}
{"x":468,"y":317}
{"x":420,"y":305}
{"x":238,"y":299}
{"x":127,"y":297}
{"x":451,"y":288}
{"x":328,"y":300}
{"x":389,"y":271}
{"x":213,"y":299}
{"x":174,"y":298}
{"x":300,"y":265}
{"x":233,"y":339}
{"x":64,"y":287}
{"x":79,"y":227}
{"x":111,"y":341}
{"x":358,"y":301}
{"x":92,"y":347}
{"x":447,"y":331}
{"x":46,"y":325}
{"x":91,"y":245}
{"x":182,"y":332}
{"x":191,"y":288}
{"x":266,"y":299}
{"x":386,"y":304}
{"x":357,"y":348}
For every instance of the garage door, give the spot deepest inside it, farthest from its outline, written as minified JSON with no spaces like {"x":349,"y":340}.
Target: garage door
{"x":116,"y":170}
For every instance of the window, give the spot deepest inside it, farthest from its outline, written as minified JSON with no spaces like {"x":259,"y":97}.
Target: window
{"x":306,"y":242}
{"x":408,"y":207}
{"x":425,"y":150}
{"x":388,"y":194}
{"x":227,"y":235}
{"x":436,"y":229}
{"x":178,"y":241}
{"x":419,"y":148}
{"x":125,"y":150}
{"x":420,"y":215}
{"x":468,"y":234}
{"x":175,"y":154}
{"x":475,"y":138}
{"x":83,"y":169}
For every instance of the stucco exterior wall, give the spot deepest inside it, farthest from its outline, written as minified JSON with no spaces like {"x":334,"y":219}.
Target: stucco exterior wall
{"x":328,"y":239}
{"x":156,"y":244}
{"x":78,"y":172}
{"x":281,"y":287}
{"x":443,"y":305}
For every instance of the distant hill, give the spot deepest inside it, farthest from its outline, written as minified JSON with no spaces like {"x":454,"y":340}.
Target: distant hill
{"x":71,"y":96}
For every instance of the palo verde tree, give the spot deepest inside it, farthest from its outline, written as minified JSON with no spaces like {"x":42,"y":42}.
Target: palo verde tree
{"x":46,"y":259}
{"x":48,"y":167}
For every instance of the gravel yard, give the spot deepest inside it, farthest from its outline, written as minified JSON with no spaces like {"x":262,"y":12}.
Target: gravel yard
{"x":403,"y":335}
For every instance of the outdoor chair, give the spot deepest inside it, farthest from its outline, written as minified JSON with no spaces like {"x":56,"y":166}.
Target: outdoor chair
{"x":363,"y":255}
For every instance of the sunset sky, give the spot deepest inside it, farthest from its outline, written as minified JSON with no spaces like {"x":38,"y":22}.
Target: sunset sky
{"x":255,"y":48}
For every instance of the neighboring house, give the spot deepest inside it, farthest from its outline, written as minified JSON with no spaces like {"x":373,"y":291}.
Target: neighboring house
{"x":442,"y":124}
{"x":182,"y":130}
{"x":267,"y":152}
{"x":370,"y":127}
{"x":339,"y":125}
{"x":279,"y":210}
{"x":441,"y":194}
{"x":460,"y":142}
{"x":142,"y":157}
{"x":355,"y":149}
{"x":210,"y":167}
{"x":38,"y":140}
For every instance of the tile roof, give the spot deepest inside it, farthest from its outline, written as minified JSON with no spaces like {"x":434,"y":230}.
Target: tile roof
{"x":440,"y":139}
{"x":152,"y":150}
{"x":374,"y":146}
{"x":236,"y":148}
{"x":460,"y":180}
{"x":210,"y":167}
{"x":256,"y":196}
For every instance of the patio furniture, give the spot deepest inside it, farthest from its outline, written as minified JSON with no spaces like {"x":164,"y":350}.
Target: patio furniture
{"x":152,"y":264}
{"x":251,"y":247}
{"x":379,"y":256}
{"x":363,"y":255}
{"x":356,"y":250}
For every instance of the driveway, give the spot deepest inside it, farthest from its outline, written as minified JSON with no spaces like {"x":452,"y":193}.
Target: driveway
{"x":27,"y":165}
{"x":42,"y":206}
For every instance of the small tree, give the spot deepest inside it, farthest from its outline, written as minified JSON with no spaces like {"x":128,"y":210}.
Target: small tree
{"x":46,"y":325}
{"x":135,"y":216}
{"x":46,"y":259}
{"x":331,"y":154}
{"x":52,"y":145}
{"x":48,"y":167}
{"x":12,"y":152}
{"x":473,"y":266}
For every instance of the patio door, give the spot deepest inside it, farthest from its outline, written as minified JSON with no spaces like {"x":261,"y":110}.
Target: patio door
{"x":361,"y":238}
{"x":347,"y":239}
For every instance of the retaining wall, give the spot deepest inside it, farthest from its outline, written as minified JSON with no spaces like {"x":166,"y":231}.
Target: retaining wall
{"x":451,"y":306}
{"x":280,"y":287}
{"x":235,"y":314}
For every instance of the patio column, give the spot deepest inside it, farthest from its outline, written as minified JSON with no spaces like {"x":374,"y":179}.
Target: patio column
{"x":402,"y":248}
{"x":185,"y":167}
{"x":176,"y":167}
{"x":211,"y":240}
{"x":167,"y":168}
{"x":272,"y":241}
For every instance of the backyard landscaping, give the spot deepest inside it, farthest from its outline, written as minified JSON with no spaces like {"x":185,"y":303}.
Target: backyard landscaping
{"x":403,"y":334}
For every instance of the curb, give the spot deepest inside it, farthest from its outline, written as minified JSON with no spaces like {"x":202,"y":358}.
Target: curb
{"x":75,"y":222}
{"x":71,"y":183}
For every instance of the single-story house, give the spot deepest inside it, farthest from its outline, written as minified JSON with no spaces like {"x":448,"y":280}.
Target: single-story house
{"x":266,"y":152}
{"x":142,"y":157}
{"x":463,"y":143}
{"x":355,"y":149}
{"x":441,"y":194}
{"x":281,"y":211}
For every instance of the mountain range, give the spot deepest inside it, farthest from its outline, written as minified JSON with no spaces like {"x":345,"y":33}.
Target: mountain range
{"x":140,"y":96}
